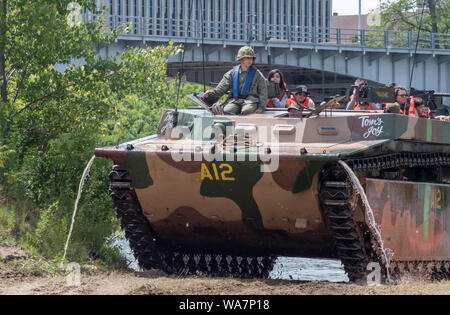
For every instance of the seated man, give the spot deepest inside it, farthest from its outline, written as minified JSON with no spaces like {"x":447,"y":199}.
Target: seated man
{"x":421,"y":110}
{"x":424,"y":112}
{"x":443,"y":118}
{"x":300,"y":98}
{"x":299,"y":101}
{"x":247,"y":85}
{"x":401,"y":98}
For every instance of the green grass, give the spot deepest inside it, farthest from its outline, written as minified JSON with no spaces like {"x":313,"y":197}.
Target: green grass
{"x":5,"y":222}
{"x":16,"y":219}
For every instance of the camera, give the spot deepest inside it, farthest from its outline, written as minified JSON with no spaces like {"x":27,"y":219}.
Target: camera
{"x":273,"y":90}
{"x":363,"y":91}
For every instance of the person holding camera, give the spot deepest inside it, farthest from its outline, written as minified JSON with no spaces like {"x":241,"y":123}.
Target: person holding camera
{"x":360,"y":84}
{"x":275,"y":76}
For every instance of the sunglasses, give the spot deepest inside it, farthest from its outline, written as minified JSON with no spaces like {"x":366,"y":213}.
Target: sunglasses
{"x":403,"y":95}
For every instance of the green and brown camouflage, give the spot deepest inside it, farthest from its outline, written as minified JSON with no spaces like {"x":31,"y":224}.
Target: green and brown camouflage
{"x":245,"y":52}
{"x":413,"y":217}
{"x":257,"y":185}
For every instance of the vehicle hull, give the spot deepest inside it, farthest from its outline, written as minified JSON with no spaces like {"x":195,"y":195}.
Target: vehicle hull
{"x":414,"y":218}
{"x":360,"y":187}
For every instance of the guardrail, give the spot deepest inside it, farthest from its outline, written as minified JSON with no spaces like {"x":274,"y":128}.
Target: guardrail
{"x":247,"y":32}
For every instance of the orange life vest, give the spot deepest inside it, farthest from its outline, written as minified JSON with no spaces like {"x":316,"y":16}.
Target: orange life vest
{"x":357,"y":107}
{"x":292,"y":99}
{"x":412,"y":108}
{"x":367,"y":107}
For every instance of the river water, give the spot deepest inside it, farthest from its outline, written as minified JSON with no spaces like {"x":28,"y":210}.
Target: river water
{"x":286,"y":268}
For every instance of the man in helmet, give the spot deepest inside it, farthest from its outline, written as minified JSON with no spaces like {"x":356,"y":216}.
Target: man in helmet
{"x":245,"y":85}
{"x":300,"y":98}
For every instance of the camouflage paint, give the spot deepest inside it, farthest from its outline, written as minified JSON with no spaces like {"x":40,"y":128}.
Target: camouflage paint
{"x":305,"y":177}
{"x":426,"y":212}
{"x":189,"y":206}
{"x":240,"y":189}
{"x":367,"y":127}
{"x":414,"y":218}
{"x":195,"y":204}
{"x":429,"y":131}
{"x":138,"y":169}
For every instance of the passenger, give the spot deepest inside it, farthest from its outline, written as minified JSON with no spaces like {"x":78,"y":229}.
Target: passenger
{"x":391,"y":85}
{"x":277,"y":102}
{"x":247,"y":85}
{"x":353,"y":105}
{"x":442,"y":117}
{"x":300,"y":99}
{"x":399,"y":107}
{"x":421,"y":110}
{"x":295,"y":112}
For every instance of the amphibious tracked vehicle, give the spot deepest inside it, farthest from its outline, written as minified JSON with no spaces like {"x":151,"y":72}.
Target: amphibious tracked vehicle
{"x":226,"y":195}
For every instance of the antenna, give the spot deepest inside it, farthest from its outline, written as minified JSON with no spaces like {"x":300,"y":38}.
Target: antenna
{"x":417,"y":45}
{"x":182,"y":59}
{"x":203,"y":44}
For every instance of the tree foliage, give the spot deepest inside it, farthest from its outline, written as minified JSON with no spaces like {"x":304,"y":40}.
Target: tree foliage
{"x":58,"y":101}
{"x":404,"y":15}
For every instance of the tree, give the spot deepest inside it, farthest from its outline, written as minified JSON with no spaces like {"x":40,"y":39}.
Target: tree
{"x":404,"y":15}
{"x":35,"y":37}
{"x":54,"y":112}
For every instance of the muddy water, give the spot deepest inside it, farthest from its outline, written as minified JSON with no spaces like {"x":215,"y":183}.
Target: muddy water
{"x":307,"y":269}
{"x":286,"y":268}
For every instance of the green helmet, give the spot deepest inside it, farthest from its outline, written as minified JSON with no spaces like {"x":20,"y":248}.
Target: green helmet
{"x":244,"y":52}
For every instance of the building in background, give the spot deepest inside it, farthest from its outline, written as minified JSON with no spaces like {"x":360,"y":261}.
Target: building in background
{"x":156,"y":17}
{"x":350,"y":22}
{"x":295,"y":36}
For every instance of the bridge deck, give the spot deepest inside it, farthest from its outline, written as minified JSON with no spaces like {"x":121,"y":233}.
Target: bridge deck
{"x":282,"y":36}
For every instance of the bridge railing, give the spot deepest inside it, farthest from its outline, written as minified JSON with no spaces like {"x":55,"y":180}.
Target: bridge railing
{"x":248,"y":32}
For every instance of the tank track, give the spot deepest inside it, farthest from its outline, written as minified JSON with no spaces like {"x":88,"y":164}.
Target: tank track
{"x":356,"y":248}
{"x":219,"y":265}
{"x":136,"y":227}
{"x":336,"y":195}
{"x":397,"y":160}
{"x":151,"y":255}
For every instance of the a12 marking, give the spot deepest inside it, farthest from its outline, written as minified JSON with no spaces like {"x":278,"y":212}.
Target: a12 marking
{"x":220,"y":172}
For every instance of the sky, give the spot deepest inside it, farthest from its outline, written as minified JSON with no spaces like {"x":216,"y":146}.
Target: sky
{"x":350,"y":7}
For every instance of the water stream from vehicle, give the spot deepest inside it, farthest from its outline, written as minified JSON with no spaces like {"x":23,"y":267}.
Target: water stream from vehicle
{"x":370,"y":218}
{"x":80,"y":190}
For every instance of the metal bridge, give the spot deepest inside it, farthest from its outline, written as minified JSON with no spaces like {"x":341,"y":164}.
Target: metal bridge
{"x":378,"y":56}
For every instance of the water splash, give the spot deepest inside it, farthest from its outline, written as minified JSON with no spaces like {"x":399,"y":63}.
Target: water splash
{"x":80,"y":189}
{"x":373,"y":226}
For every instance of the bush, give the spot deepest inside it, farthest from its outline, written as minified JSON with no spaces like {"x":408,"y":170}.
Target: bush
{"x":48,"y":148}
